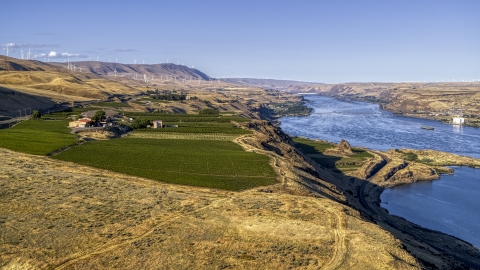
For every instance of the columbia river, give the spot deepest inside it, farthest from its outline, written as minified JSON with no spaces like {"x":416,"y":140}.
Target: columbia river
{"x":449,"y":205}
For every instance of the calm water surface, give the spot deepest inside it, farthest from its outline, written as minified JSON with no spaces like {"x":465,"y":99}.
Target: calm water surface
{"x":450,"y":205}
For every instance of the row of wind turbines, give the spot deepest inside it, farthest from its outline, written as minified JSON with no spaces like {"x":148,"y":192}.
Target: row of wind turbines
{"x":28,"y":56}
{"x":73,"y":67}
{"x":168,"y":77}
{"x":47,"y":58}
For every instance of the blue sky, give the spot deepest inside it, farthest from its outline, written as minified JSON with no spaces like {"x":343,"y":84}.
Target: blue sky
{"x":318,"y":41}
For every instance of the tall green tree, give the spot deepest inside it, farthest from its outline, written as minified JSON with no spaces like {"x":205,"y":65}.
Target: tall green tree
{"x":98,"y":116}
{"x":208,"y":112}
{"x":140,"y":123}
{"x":36,"y":114}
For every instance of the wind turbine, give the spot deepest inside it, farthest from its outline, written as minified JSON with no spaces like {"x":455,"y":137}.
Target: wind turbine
{"x":115,"y":72}
{"x":97,"y":58}
{"x":7,"y":50}
{"x":135,"y":61}
{"x":21,"y":52}
{"x":145,"y":78}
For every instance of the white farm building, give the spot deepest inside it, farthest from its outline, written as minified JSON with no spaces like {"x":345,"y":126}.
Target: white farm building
{"x":458,"y":120}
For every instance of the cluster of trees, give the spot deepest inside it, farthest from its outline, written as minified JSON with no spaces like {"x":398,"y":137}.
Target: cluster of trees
{"x":170,"y":97}
{"x":289,"y":108}
{"x":36,"y":114}
{"x":98,"y":116}
{"x":167,"y":95}
{"x":140,"y":123}
{"x":208,"y":112}
{"x":410,"y":156}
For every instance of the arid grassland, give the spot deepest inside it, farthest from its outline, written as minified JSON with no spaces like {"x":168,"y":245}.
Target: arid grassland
{"x":217,"y":188}
{"x":62,"y":215}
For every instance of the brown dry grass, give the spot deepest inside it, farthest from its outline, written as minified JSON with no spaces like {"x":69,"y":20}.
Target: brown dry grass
{"x":59,"y":215}
{"x":66,"y":86}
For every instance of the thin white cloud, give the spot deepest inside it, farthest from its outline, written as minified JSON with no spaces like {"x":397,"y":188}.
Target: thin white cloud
{"x":41,"y":55}
{"x":126,"y":50}
{"x":28,"y":45}
{"x":60,"y":55}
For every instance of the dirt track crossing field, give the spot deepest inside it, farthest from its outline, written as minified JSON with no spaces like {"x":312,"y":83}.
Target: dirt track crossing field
{"x":61,"y":215}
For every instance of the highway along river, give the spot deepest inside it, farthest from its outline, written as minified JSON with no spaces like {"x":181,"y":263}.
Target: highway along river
{"x":449,"y":205}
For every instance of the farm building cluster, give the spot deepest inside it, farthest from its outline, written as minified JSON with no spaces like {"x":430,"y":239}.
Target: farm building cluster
{"x":87,"y":119}
{"x":106,"y":118}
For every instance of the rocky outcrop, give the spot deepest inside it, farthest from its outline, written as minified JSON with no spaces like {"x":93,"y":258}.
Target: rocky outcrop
{"x":399,"y":171}
{"x":437,"y":158}
{"x":296,"y":170}
{"x":371,"y":167}
{"x":342,"y":149}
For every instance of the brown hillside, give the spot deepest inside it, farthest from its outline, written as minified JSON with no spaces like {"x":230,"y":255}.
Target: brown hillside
{"x":70,"y":85}
{"x":178,"y":72}
{"x":14,"y":64}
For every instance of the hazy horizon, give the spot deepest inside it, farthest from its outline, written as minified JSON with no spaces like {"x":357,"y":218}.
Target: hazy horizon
{"x":344,"y":41}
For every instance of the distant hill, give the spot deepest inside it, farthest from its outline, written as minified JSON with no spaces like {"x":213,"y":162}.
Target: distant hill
{"x":14,"y":64}
{"x":34,"y":84}
{"x":31,"y":84}
{"x":14,"y":103}
{"x":179,"y":72}
{"x":265,"y":83}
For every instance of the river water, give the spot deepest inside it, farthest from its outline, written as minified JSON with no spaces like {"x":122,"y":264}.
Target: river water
{"x":449,"y":205}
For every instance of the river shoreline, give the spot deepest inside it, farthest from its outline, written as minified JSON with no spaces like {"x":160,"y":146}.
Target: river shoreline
{"x":374,"y":202}
{"x":402,"y":201}
{"x":382,"y":107}
{"x":333,"y":121}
